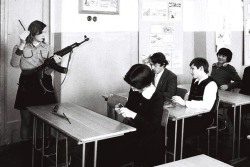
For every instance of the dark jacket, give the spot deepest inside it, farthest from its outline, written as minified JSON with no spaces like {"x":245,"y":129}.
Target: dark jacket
{"x":245,"y":85}
{"x":148,"y":137}
{"x":167,"y":84}
{"x":224,"y":75}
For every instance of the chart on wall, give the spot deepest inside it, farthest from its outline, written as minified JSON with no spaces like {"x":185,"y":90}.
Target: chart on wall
{"x":161,"y":30}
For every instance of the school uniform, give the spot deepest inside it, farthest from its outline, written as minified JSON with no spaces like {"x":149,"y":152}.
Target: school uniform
{"x":34,"y":88}
{"x":166,"y":82}
{"x":202,"y":94}
{"x":145,"y":145}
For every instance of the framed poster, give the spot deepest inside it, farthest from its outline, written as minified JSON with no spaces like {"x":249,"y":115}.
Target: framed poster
{"x":99,"y":7}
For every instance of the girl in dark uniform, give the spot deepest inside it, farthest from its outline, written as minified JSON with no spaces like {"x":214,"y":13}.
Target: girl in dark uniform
{"x":35,"y":88}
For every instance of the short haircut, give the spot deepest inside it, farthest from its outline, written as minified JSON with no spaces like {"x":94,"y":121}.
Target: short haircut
{"x":139,"y":76}
{"x":225,"y":52}
{"x":35,"y":28}
{"x":159,"y":58}
{"x":198,"y":62}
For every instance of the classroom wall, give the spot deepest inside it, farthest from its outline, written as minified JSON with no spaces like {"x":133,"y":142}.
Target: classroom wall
{"x":201,"y":19}
{"x":97,"y":66}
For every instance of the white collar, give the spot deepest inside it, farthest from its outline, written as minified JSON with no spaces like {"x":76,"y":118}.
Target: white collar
{"x":159,"y":74}
{"x":199,"y":81}
{"x":148,"y":91}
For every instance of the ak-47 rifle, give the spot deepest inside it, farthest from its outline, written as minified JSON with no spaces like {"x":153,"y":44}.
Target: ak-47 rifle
{"x":50,"y":62}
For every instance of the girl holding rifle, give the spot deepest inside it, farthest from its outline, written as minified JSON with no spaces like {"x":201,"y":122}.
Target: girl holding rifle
{"x":31,"y":52}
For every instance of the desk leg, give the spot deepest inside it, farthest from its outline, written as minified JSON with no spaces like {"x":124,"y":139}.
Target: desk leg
{"x":67,"y":160}
{"x":182,"y":134}
{"x":95,"y":153}
{"x":234,"y":130}
{"x":83,"y":154}
{"x":175,"y":138}
{"x":42,"y":144}
{"x":33,"y":140}
{"x":239,"y":132}
{"x":57,"y":134}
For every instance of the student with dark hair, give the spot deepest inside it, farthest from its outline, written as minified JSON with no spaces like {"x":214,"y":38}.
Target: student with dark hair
{"x":223,"y":73}
{"x":227,"y":79}
{"x":202,"y":94}
{"x":143,"y":111}
{"x":164,"y":80}
{"x":31,"y":52}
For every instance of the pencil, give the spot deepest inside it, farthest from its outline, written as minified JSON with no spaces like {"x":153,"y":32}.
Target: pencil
{"x":66,"y":118}
{"x":21,"y":25}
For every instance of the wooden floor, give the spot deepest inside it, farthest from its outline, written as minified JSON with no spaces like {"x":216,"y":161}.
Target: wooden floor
{"x":19,"y":154}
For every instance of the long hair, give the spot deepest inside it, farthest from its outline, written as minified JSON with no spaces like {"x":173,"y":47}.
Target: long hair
{"x":139,"y":76}
{"x":35,"y":28}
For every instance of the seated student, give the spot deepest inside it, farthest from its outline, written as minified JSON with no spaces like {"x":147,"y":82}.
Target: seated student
{"x":227,"y":79}
{"x":224,"y":73}
{"x":164,"y":80}
{"x":143,"y":111}
{"x":203,"y":94}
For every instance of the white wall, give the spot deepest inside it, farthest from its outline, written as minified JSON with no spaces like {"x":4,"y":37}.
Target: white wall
{"x":98,"y":66}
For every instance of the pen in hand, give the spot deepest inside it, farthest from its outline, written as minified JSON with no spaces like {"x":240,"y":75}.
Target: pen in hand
{"x":66,"y":118}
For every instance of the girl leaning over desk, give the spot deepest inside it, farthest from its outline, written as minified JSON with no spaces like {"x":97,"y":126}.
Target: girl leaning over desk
{"x":143,"y":111}
{"x":33,"y":88}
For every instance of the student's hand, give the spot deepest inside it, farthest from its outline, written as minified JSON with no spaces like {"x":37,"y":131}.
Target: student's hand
{"x":223,"y":87}
{"x":57,"y":58}
{"x":118,"y":108}
{"x":127,"y":113}
{"x":23,"y":36}
{"x":179,"y":100}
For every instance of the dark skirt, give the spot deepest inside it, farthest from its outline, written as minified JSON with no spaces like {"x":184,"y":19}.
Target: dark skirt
{"x":32,"y":91}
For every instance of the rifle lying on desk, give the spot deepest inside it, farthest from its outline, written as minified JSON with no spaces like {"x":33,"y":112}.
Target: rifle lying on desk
{"x":50,"y":62}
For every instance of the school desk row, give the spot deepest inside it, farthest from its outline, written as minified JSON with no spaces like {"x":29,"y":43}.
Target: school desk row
{"x":180,"y":113}
{"x":235,"y":100}
{"x":84,"y":125}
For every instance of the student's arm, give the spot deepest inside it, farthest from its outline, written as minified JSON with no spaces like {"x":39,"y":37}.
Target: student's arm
{"x":209,"y":97}
{"x":18,"y":50}
{"x":234,"y":77}
{"x":16,"y":56}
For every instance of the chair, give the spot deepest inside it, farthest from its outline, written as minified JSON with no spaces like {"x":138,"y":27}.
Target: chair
{"x":214,"y":125}
{"x":112,"y":100}
{"x":181,"y":92}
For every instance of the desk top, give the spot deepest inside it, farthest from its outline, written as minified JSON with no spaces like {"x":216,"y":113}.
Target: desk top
{"x":180,"y":112}
{"x":177,"y":112}
{"x":86,"y":125}
{"x":232,"y":98}
{"x":196,"y":161}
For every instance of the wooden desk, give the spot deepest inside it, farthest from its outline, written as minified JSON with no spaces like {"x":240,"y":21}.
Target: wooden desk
{"x":86,"y":125}
{"x":234,"y":99}
{"x":175,"y":114}
{"x":197,"y":161}
{"x":181,"y":113}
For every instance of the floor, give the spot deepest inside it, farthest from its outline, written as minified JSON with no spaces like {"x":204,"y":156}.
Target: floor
{"x":19,"y":154}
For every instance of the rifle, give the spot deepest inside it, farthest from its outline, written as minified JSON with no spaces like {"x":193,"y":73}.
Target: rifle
{"x":50,"y":62}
